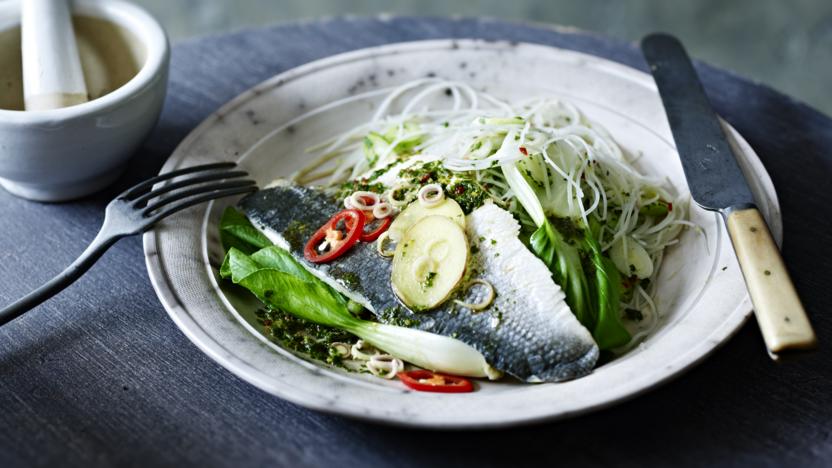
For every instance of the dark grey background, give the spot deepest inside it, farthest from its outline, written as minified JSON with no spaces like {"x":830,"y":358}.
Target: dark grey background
{"x":100,"y":376}
{"x":784,"y":43}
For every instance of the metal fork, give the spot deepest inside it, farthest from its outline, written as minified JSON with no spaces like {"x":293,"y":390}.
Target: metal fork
{"x":136,"y":210}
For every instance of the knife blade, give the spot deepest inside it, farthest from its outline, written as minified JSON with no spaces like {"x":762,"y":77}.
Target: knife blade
{"x":717,"y":183}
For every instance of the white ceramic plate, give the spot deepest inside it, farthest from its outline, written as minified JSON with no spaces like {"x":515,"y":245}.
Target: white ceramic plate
{"x":701,"y":294}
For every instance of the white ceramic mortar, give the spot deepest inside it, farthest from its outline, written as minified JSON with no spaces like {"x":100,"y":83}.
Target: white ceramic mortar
{"x":67,"y":153}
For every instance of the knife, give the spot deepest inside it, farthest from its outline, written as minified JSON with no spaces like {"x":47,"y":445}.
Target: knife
{"x":717,"y":184}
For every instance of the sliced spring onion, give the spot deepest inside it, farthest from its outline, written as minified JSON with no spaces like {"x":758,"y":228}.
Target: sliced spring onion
{"x":364,"y":201}
{"x":382,"y":239}
{"x":427,"y":350}
{"x":341,"y":349}
{"x":487,"y":300}
{"x":361,"y":351}
{"x":382,"y":210}
{"x":431,"y":195}
{"x":399,"y":203}
{"x":631,"y":258}
{"x":384,"y":365}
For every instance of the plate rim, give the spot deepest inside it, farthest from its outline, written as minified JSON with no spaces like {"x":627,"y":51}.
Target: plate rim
{"x":174,"y":307}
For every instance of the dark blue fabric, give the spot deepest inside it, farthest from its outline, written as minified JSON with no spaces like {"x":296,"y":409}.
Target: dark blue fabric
{"x":101,"y":376}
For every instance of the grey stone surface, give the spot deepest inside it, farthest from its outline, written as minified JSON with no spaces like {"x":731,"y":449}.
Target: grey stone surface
{"x":786,"y":44}
{"x":100,"y":376}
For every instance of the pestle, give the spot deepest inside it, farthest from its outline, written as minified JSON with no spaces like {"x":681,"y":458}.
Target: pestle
{"x":52,"y":73}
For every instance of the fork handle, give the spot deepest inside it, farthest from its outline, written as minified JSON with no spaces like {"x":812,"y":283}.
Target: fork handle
{"x":780,"y":314}
{"x":93,"y":252}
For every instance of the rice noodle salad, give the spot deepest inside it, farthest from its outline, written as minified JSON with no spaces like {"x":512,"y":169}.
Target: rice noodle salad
{"x":598,"y":226}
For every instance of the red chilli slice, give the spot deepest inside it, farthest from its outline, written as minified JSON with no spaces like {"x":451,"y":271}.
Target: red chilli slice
{"x":381,"y":225}
{"x":370,"y":236}
{"x":354,"y":225}
{"x":428,"y":381}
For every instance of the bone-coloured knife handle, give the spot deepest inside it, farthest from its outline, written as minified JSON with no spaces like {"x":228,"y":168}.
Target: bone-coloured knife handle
{"x":779,"y":313}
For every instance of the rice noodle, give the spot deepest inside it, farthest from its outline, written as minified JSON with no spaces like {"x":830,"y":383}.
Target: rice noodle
{"x":473,"y":133}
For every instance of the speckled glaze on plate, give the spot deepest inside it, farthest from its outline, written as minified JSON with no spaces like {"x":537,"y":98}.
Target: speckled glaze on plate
{"x":701,"y":294}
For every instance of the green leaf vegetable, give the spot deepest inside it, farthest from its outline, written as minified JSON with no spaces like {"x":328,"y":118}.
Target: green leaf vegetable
{"x":281,"y":283}
{"x":565,"y":262}
{"x":594,"y":302}
{"x":236,"y":231}
{"x":607,"y":330}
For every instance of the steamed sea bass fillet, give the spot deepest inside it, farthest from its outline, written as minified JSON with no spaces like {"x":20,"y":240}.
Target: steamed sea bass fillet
{"x":529,"y":319}
{"x":528,"y":331}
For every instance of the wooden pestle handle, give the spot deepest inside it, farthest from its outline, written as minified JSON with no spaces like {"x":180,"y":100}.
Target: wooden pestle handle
{"x":779,"y":313}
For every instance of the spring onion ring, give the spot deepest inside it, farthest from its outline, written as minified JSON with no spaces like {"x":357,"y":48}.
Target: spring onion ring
{"x":431,"y":195}
{"x":384,"y":365}
{"x":382,"y":210}
{"x":357,"y":200}
{"x":362,"y":351}
{"x":489,"y":298}
{"x":385,"y":236}
{"x":341,"y":349}
{"x":396,"y":203}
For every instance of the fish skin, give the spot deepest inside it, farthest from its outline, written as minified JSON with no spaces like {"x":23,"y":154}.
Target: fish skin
{"x":528,"y":332}
{"x":360,"y":273}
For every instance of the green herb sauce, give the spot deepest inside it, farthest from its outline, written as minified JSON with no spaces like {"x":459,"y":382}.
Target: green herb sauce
{"x":428,"y":282}
{"x":395,"y":316}
{"x":296,"y":234}
{"x":462,"y":187}
{"x":303,"y":336}
{"x":364,"y":185}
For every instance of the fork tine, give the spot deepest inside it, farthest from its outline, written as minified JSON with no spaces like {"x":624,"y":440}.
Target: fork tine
{"x":176,"y":196}
{"x":195,"y":201}
{"x":187,"y":182}
{"x":140,"y":187}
